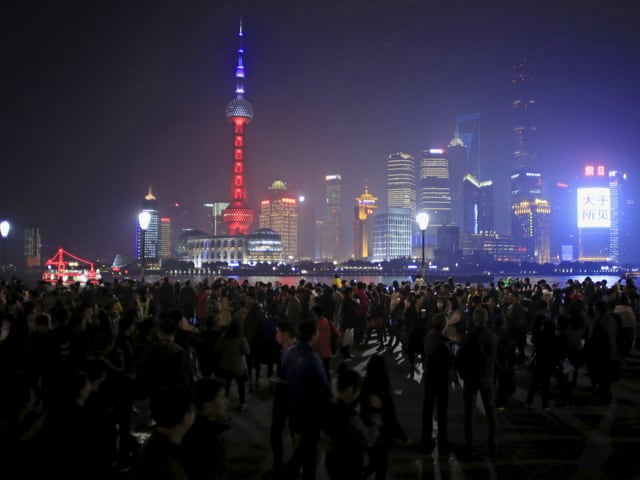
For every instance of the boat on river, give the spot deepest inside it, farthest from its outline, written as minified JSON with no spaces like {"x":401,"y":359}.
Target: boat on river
{"x":69,"y":269}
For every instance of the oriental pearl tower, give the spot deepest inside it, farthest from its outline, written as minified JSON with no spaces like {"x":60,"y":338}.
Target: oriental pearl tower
{"x":238,"y":216}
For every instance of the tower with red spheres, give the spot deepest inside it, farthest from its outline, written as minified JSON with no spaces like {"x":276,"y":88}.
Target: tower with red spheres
{"x":238,"y":216}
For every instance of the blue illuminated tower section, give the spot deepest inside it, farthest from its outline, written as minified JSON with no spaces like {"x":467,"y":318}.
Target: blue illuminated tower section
{"x":238,"y":216}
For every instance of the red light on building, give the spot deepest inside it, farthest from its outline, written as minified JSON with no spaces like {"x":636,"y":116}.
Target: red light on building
{"x":601,"y":171}
{"x":589,"y":171}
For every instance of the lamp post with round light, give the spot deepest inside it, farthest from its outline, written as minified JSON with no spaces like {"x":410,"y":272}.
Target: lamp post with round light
{"x":5,"y":227}
{"x":423,"y":222}
{"x":144,"y":218}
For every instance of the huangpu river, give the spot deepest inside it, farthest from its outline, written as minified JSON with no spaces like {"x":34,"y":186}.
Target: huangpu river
{"x":388,"y":280}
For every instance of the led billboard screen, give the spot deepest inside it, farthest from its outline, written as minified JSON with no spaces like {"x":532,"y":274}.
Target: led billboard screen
{"x":594,"y":207}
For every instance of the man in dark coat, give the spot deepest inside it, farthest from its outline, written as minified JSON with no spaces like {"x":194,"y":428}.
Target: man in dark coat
{"x":308,"y":395}
{"x":476,"y":364}
{"x":437,"y":363}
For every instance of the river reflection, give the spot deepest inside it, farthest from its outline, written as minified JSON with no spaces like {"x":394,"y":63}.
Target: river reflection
{"x":388,"y":280}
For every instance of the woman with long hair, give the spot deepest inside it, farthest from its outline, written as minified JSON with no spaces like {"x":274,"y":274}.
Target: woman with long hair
{"x":455,"y":321}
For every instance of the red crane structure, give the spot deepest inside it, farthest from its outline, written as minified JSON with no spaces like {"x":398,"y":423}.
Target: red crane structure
{"x":69,"y":270}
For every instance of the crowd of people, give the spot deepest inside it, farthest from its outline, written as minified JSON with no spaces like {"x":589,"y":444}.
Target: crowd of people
{"x":82,"y":367}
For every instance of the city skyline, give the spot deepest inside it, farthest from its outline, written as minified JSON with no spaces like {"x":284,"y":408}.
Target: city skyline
{"x":104,"y":101}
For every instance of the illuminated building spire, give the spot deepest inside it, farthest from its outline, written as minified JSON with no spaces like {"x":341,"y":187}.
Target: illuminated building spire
{"x":238,"y":216}
{"x":149,"y":195}
{"x":240,"y":66}
{"x":456,"y":141}
{"x":364,"y":209}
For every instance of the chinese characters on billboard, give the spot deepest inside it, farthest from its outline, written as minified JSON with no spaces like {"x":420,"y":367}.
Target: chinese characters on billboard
{"x":594,"y":207}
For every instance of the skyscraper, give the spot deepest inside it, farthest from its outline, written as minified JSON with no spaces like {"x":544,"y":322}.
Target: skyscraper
{"x":468,"y":130}
{"x":401,"y":181}
{"x":457,"y":156}
{"x":332,"y":226}
{"x":448,"y":250}
{"x":434,"y":191}
{"x":564,"y":229}
{"x":622,"y":245}
{"x":238,"y":216}
{"x":307,"y":240}
{"x":392,"y":231}
{"x":362,"y":226}
{"x":477,"y":205}
{"x":214,"y":217}
{"x":152,"y":234}
{"x":32,"y":245}
{"x":524,"y":129}
{"x":164,"y":248}
{"x":595,"y":214}
{"x":279,"y":212}
{"x":526,"y":179}
{"x":533,"y":228}
{"x":393,"y":227}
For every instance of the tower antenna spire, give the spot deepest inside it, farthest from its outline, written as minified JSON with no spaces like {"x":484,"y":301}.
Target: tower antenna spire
{"x":240,"y":66}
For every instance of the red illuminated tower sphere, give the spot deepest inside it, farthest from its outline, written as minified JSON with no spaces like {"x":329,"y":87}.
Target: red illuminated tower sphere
{"x":238,"y":216}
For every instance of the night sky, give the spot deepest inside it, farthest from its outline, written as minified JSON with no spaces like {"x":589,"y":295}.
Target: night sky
{"x":101,"y":99}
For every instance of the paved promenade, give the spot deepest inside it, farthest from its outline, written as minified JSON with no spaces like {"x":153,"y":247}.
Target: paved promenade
{"x":583,"y":441}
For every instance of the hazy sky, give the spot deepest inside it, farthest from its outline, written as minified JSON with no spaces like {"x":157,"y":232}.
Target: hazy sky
{"x":102,"y":98}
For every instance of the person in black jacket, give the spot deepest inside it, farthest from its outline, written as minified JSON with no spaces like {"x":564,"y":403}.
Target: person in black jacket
{"x":162,"y":456}
{"x":475,"y":363}
{"x":203,"y":442}
{"x":437,"y":365}
{"x":377,"y":383}
{"x":349,"y":436}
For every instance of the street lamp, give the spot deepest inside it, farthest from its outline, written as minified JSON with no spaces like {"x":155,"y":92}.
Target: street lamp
{"x":423,"y":222}
{"x":5,"y":226}
{"x":144,"y":218}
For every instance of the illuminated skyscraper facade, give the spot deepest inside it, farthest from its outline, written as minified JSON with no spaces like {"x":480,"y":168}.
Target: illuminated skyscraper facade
{"x":477,"y":205}
{"x":238,"y":216}
{"x":363,"y":223}
{"x":164,"y":247}
{"x":213,"y":221}
{"x":332,"y":225}
{"x":457,"y":157}
{"x":622,"y":243}
{"x":434,"y":190}
{"x":595,"y":215}
{"x":401,"y":181}
{"x":526,"y":178}
{"x":279,"y":212}
{"x":152,"y":234}
{"x":392,"y":231}
{"x":533,"y":229}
